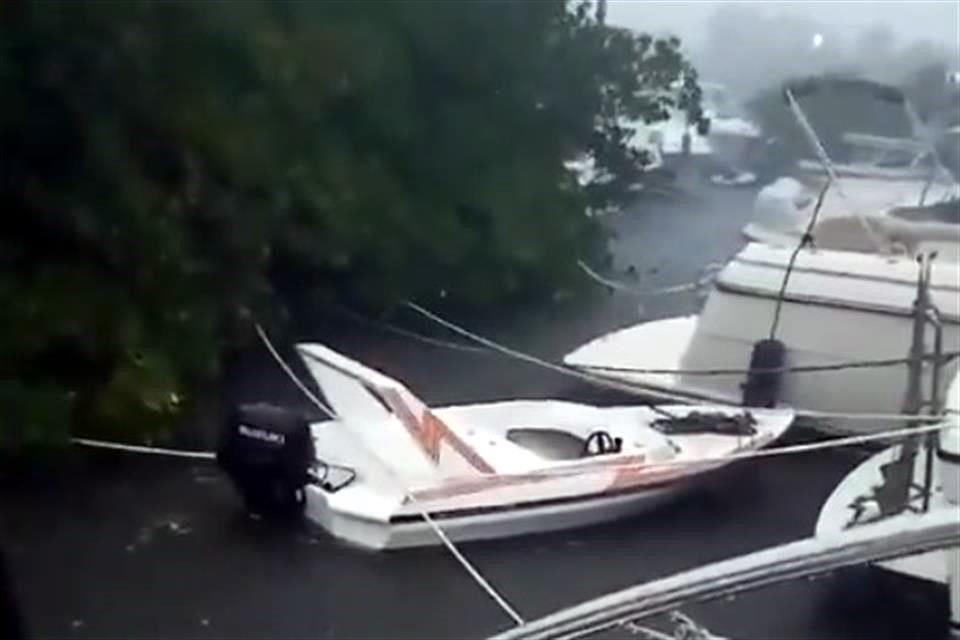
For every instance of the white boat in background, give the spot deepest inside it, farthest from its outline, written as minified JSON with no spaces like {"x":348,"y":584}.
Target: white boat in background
{"x":586,"y":172}
{"x":481,"y":471}
{"x":898,"y":187}
{"x":838,"y":307}
{"x":782,"y":212}
{"x":735,"y":140}
{"x":882,"y":157}
{"x":724,"y":146}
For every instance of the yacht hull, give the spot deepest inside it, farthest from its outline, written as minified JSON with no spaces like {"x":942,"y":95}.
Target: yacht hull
{"x":830,"y":316}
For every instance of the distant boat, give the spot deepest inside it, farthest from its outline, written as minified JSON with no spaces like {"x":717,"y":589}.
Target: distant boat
{"x":725,"y":145}
{"x":898,"y":187}
{"x":481,"y":471}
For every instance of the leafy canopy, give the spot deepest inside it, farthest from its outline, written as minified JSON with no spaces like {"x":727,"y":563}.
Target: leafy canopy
{"x":173,"y":169}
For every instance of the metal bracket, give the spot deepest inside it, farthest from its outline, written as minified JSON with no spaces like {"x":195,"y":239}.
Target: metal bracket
{"x":685,"y":628}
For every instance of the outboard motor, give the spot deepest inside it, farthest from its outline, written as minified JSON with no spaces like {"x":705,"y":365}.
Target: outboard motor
{"x":762,"y":388}
{"x":267,"y":451}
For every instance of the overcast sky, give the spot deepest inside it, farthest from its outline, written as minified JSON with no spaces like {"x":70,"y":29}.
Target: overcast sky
{"x":915,"y":19}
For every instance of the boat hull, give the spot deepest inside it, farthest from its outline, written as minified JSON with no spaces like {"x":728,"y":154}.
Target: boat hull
{"x":839,"y":308}
{"x":671,"y":344}
{"x":548,"y":498}
{"x":835,"y":513}
{"x":500,"y":523}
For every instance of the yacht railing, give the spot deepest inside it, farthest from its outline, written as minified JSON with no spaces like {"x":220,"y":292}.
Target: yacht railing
{"x":895,"y":537}
{"x":883,"y":92}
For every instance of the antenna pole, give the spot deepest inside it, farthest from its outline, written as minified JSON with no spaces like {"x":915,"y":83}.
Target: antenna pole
{"x":827,"y":163}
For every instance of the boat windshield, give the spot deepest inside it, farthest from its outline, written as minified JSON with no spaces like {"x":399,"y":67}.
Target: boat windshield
{"x":716,"y":100}
{"x":889,"y":158}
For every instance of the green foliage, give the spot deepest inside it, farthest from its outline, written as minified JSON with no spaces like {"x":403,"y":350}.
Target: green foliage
{"x":172,"y":169}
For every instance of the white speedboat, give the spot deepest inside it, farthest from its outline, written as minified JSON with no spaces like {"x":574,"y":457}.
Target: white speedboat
{"x":734,"y":139}
{"x":480,"y":471}
{"x":838,"y":307}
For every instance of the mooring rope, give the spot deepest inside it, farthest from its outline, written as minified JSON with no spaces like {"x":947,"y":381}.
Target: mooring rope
{"x":134,"y":448}
{"x":823,"y":445}
{"x":805,"y":239}
{"x":638,"y":389}
{"x":619,"y":286}
{"x":311,"y":396}
{"x":813,"y":368}
{"x":406,"y":333}
{"x":770,"y":452}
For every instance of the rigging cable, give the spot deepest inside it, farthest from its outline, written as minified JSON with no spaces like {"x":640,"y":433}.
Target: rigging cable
{"x":812,"y":368}
{"x":619,"y":286}
{"x":406,"y":333}
{"x":824,"y":158}
{"x":567,"y":371}
{"x":770,"y":452}
{"x":632,"y":388}
{"x":805,"y":239}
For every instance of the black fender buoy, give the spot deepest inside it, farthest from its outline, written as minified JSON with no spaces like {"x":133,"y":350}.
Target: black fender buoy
{"x":762,"y":388}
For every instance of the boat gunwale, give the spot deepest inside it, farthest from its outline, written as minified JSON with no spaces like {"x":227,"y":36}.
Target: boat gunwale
{"x":832,"y":303}
{"x":539,"y":503}
{"x":837,"y":274}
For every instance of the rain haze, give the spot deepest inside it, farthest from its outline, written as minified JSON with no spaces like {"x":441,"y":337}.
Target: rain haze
{"x":417,"y":319}
{"x":749,"y":44}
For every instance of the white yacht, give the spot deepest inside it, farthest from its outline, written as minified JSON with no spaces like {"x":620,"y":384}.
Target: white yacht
{"x":835,"y":307}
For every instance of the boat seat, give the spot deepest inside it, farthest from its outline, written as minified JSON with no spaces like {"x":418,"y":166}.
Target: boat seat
{"x":558,"y":444}
{"x":502,"y":454}
{"x":550,"y":444}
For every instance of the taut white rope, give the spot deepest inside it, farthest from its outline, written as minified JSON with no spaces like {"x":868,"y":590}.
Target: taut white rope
{"x":637,"y":389}
{"x":133,"y":448}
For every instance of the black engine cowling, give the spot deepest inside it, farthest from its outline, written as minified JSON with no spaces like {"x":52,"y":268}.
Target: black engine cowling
{"x":267,"y":452}
{"x":765,"y":378}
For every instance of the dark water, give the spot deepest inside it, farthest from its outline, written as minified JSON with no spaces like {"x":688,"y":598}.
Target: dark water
{"x":127,"y":547}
